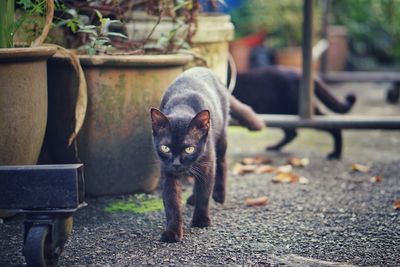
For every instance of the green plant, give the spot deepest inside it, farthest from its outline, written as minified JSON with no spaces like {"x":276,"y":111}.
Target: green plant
{"x":373,"y":26}
{"x":13,"y":22}
{"x":183,"y":14}
{"x":7,"y":24}
{"x":98,"y":36}
{"x":81,"y":15}
{"x":22,"y":21}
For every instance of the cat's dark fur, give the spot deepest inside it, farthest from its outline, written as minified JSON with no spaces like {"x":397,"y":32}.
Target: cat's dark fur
{"x":274,"y":90}
{"x":193,"y":113}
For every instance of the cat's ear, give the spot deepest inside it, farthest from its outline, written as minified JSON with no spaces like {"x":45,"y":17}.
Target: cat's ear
{"x":158,"y":120}
{"x":201,"y":122}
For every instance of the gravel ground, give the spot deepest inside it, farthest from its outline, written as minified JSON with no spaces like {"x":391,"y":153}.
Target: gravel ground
{"x":339,"y":218}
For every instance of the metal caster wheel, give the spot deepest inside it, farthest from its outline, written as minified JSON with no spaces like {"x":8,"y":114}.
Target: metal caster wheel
{"x":48,"y":221}
{"x":37,"y":247}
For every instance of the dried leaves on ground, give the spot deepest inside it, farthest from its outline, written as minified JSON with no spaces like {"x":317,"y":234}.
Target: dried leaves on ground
{"x":376,"y":179}
{"x":359,"y":168}
{"x":261,"y":164}
{"x":285,"y":178}
{"x":284,"y":169}
{"x":356,"y":167}
{"x":260,"y":201}
{"x":256,"y":160}
{"x":290,"y":177}
{"x":240,"y":169}
{"x":396,"y":204}
{"x":298,"y":162}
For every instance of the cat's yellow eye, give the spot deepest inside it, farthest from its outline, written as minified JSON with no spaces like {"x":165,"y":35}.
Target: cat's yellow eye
{"x":189,"y":150}
{"x":165,"y":149}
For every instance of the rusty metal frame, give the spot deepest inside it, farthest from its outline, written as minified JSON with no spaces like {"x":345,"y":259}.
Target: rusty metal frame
{"x":306,"y":118}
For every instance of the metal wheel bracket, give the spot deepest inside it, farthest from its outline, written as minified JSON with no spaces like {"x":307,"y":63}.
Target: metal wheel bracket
{"x":53,"y":243}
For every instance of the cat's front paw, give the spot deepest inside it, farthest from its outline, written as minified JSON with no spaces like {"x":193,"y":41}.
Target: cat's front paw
{"x":201,"y":222}
{"x":171,"y":236}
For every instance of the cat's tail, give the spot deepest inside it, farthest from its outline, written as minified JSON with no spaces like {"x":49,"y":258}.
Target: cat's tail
{"x":333,"y":103}
{"x":245,"y":115}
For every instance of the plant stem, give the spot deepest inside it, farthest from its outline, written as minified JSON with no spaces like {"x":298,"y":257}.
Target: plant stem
{"x":6,"y":23}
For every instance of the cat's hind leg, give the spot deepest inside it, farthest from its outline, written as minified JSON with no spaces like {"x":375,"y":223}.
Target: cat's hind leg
{"x":219,"y":192}
{"x":337,"y":144}
{"x":337,"y":139}
{"x":289,"y":135}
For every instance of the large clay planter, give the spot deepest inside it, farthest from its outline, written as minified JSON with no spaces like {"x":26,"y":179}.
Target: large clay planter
{"x":23,"y":103}
{"x":115,"y":142}
{"x":210,"y":41}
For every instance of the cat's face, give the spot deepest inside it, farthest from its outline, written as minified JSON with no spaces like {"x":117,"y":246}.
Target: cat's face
{"x":179,"y":142}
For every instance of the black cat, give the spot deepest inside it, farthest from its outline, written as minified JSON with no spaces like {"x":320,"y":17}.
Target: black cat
{"x":189,"y":135}
{"x":275,"y":90}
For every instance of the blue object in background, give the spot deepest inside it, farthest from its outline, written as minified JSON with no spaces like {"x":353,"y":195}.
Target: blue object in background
{"x":228,"y":8}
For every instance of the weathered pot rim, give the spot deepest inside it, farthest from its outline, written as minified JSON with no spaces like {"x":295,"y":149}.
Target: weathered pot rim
{"x":211,"y":27}
{"x":144,"y":16}
{"x":26,"y":53}
{"x":131,"y":60}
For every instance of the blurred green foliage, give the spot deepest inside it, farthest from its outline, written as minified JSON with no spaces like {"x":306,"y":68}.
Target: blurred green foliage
{"x":373,"y":27}
{"x":282,"y":20}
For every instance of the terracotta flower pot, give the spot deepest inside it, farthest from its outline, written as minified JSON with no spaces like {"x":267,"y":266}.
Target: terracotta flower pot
{"x":115,"y":142}
{"x":23,"y":103}
{"x":292,"y":57}
{"x":241,"y":49}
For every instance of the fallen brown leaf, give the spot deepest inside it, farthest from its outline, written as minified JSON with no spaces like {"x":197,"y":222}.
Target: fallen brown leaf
{"x":303,"y":180}
{"x":376,"y":179}
{"x":265,"y":169}
{"x":285,"y":178}
{"x":284,"y":169}
{"x":396,"y":205}
{"x":256,"y":160}
{"x":240,"y":169}
{"x":260,"y":201}
{"x":298,"y":162}
{"x":359,"y":168}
